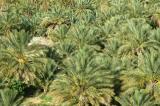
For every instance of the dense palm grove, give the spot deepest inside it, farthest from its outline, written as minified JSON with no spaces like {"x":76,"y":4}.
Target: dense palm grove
{"x":79,"y":52}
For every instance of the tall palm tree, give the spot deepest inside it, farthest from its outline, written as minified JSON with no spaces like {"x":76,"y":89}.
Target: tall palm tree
{"x":84,"y":82}
{"x":20,"y":61}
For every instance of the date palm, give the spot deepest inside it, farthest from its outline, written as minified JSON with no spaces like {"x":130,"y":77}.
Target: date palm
{"x":84,"y":35}
{"x":9,"y":97}
{"x":137,"y":40}
{"x":19,"y":61}
{"x":137,"y":98}
{"x":84,"y":82}
{"x":8,"y":21}
{"x":155,"y":35}
{"x":146,"y":75}
{"x":84,"y":10}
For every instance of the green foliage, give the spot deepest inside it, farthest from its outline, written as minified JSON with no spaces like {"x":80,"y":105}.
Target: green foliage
{"x":19,"y":61}
{"x":9,"y":97}
{"x":18,"y":86}
{"x":84,"y":81}
{"x":81,"y":52}
{"x":137,"y":98}
{"x":146,"y":75}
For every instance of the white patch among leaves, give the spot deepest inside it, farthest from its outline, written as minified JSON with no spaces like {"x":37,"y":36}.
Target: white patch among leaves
{"x":41,"y":41}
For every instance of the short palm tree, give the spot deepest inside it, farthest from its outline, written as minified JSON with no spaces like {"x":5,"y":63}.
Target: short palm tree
{"x":9,"y":97}
{"x":84,"y":35}
{"x":83,"y":82}
{"x":66,"y":48}
{"x":147,"y":74}
{"x":84,"y":10}
{"x":8,"y":22}
{"x":19,"y":61}
{"x":155,"y":35}
{"x":137,"y":98}
{"x":48,"y":76}
{"x":137,"y":40}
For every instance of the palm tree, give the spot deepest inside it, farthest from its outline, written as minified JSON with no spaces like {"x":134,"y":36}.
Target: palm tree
{"x":84,"y":10}
{"x":83,"y":82}
{"x":9,"y":97}
{"x":147,"y":74}
{"x":155,"y":35}
{"x":137,"y":98}
{"x":48,"y":76}
{"x":84,"y":35}
{"x":65,"y":48}
{"x":137,"y":40}
{"x":67,"y":3}
{"x":8,"y":22}
{"x":20,"y":61}
{"x":136,"y":7}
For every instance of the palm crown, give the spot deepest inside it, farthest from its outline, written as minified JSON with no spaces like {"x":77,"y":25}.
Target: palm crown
{"x":20,"y":61}
{"x":81,"y":84}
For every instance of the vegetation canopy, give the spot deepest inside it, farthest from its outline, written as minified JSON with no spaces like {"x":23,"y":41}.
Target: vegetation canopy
{"x":79,"y":52}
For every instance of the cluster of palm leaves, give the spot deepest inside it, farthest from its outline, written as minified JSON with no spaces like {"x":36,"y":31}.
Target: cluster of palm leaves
{"x":83,"y":52}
